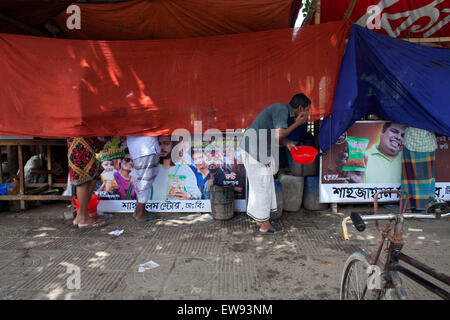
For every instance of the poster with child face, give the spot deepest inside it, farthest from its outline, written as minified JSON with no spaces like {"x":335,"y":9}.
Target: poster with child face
{"x":182,"y":183}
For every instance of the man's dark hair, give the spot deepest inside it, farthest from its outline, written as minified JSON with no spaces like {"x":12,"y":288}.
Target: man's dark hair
{"x":300,"y":99}
{"x":386,"y":126}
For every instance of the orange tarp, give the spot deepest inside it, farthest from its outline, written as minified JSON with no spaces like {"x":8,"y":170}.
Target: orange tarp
{"x":62,"y":88}
{"x":174,"y":19}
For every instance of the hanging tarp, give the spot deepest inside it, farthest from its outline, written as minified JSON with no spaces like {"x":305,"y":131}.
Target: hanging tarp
{"x":397,"y":18}
{"x":174,"y":19}
{"x":63,"y":88}
{"x":400,"y":81}
{"x":17,"y":16}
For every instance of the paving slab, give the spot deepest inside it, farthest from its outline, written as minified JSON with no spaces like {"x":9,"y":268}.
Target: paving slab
{"x":198,"y":257}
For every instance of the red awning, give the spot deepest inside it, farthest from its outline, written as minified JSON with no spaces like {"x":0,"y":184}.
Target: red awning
{"x":62,"y":88}
{"x":175,"y":19}
{"x":146,"y":20}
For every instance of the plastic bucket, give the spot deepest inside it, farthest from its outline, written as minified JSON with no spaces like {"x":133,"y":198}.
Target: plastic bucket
{"x":222,"y":202}
{"x":92,"y":206}
{"x":304,"y":154}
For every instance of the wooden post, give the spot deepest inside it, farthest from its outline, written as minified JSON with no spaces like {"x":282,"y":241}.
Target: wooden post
{"x":427,"y":40}
{"x":23,"y":26}
{"x":350,"y":8}
{"x":317,"y":15}
{"x":1,"y":167}
{"x":49,"y":167}
{"x":21,"y":177}
{"x":316,"y":123}
{"x":11,"y":157}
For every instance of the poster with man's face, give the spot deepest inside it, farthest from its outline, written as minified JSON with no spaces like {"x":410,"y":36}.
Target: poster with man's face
{"x":367,"y":158}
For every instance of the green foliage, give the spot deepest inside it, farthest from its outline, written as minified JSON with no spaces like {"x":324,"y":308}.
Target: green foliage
{"x":305,"y":6}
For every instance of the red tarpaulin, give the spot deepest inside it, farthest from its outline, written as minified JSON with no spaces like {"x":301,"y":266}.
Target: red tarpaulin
{"x":32,"y":13}
{"x":63,"y":88}
{"x":174,"y":19}
{"x":397,"y":18}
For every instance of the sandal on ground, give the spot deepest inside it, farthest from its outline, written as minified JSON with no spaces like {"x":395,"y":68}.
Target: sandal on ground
{"x":148,"y":217}
{"x":273,"y":222}
{"x":95,"y":224}
{"x":275,"y":230}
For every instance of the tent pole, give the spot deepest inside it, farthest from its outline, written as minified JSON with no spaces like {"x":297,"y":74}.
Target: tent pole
{"x":418,"y":40}
{"x":350,"y":8}
{"x":23,"y":26}
{"x":317,"y":15}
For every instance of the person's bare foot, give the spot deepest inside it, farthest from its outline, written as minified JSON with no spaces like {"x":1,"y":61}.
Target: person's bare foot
{"x":140,"y":212}
{"x":266,"y":227}
{"x":88,"y":223}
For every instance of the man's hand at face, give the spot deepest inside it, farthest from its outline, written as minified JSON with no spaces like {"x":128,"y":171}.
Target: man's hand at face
{"x":302,"y":117}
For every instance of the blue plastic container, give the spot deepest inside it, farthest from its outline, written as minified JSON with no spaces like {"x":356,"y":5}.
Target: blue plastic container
{"x":4,"y":189}
{"x":4,"y":205}
{"x":311,"y":195}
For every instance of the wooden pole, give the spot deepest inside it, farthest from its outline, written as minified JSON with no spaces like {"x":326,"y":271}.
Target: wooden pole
{"x":424,"y":40}
{"x":23,"y":26}
{"x":317,"y":15}
{"x":1,"y":167}
{"x":350,"y":8}
{"x":49,"y":167}
{"x":316,"y":123}
{"x":21,"y":177}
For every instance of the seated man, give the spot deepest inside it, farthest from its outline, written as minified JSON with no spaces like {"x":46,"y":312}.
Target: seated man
{"x":36,"y":171}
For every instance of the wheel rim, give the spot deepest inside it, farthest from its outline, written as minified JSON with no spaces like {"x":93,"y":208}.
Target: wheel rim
{"x":355,"y":282}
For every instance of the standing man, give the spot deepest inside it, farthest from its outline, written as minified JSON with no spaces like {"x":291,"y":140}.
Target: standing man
{"x":418,"y":168}
{"x":258,"y":144}
{"x":145,"y":152}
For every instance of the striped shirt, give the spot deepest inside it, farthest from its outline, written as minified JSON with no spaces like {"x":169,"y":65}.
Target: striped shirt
{"x":419,"y":140}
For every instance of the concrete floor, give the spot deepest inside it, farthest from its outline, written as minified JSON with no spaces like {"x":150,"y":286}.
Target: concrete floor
{"x":198,"y":258}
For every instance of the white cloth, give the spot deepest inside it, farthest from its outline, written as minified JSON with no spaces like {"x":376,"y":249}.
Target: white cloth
{"x":262,"y":198}
{"x":142,"y":146}
{"x":160,"y":188}
{"x":145,"y":170}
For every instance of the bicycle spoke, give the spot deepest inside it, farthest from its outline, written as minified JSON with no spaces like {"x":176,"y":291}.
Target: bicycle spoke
{"x":357,"y":282}
{"x":349,"y":282}
{"x":352,"y":281}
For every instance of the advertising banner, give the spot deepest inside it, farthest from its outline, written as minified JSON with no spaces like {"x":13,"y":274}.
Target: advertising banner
{"x":396,"y":18}
{"x":367,"y":159}
{"x":187,"y":170}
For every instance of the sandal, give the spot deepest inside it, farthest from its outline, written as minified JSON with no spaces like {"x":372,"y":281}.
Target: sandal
{"x":275,"y":230}
{"x":273,"y":222}
{"x":148,"y":217}
{"x":96,"y":224}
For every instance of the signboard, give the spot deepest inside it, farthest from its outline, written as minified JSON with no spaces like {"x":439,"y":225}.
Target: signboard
{"x":183,"y":182}
{"x":367,"y":159}
{"x":396,"y":18}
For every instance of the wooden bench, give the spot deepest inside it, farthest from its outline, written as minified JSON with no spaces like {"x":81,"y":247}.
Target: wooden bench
{"x":33,"y":194}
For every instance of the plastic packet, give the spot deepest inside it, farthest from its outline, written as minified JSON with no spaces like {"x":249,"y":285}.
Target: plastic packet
{"x":176,"y":184}
{"x":356,"y":149}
